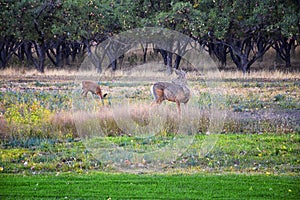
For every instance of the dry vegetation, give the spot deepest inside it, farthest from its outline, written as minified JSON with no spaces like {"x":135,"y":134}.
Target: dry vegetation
{"x":259,"y":102}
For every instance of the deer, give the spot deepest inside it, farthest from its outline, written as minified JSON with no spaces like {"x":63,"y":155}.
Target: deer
{"x":175,"y":91}
{"x":94,"y":88}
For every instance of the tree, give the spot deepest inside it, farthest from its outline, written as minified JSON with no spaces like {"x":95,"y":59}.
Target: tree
{"x":287,"y":31}
{"x":245,"y":27}
{"x":240,"y":30}
{"x":9,"y":42}
{"x":58,"y":31}
{"x":178,"y":18}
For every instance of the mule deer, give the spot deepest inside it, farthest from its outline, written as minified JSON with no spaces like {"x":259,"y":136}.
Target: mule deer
{"x":94,"y":88}
{"x":175,"y":91}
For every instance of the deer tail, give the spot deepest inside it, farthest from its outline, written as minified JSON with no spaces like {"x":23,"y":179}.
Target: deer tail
{"x":153,"y":91}
{"x":157,"y":90}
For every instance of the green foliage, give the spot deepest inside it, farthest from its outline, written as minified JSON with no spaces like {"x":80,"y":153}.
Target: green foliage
{"x":289,"y":103}
{"x":177,"y":18}
{"x":279,"y":97}
{"x":27,"y":120}
{"x":204,"y":100}
{"x":26,"y":114}
{"x":264,"y":153}
{"x":48,"y":156}
{"x":47,"y":22}
{"x":54,"y":101}
{"x":242,"y":153}
{"x":55,"y":18}
{"x":29,"y":115}
{"x":240,"y":17}
{"x":87,"y":18}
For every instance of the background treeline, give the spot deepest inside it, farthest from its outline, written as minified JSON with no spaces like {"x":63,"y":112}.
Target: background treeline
{"x":61,"y":33}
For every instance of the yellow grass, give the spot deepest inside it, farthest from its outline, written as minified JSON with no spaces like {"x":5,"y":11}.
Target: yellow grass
{"x":157,"y":70}
{"x":263,"y":74}
{"x":22,"y":72}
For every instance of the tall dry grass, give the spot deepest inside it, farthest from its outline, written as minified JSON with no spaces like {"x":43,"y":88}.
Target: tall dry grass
{"x":139,"y":119}
{"x":149,"y":71}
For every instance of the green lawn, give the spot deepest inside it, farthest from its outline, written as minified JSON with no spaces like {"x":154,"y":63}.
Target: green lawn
{"x":146,"y":186}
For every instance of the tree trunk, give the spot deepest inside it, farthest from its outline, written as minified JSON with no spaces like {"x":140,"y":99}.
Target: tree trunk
{"x":169,"y":62}
{"x":177,"y":61}
{"x":8,"y":46}
{"x":58,"y":55}
{"x":41,"y":52}
{"x":245,"y":66}
{"x":243,"y":52}
{"x":145,"y":53}
{"x":164,"y":55}
{"x":283,"y":48}
{"x":67,"y":53}
{"x":218,"y":52}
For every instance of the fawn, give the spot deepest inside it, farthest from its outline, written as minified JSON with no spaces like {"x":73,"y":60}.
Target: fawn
{"x":94,"y":88}
{"x":175,"y":91}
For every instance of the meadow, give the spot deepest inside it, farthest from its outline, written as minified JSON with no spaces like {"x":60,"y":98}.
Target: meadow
{"x":44,"y":138}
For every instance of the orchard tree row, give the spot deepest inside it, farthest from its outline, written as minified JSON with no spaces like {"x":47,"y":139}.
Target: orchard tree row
{"x":34,"y":32}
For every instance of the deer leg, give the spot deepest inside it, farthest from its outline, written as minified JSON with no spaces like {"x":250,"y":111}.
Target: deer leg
{"x":157,"y":102}
{"x":178,"y":106}
{"x":153,"y":103}
{"x":102,"y":101}
{"x":158,"y":96}
{"x":84,"y":93}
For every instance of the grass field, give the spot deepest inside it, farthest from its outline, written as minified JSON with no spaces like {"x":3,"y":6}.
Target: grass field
{"x":233,"y":153}
{"x":157,"y":186}
{"x":44,"y":156}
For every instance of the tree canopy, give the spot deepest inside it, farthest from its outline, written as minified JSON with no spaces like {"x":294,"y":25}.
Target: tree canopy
{"x":34,"y":31}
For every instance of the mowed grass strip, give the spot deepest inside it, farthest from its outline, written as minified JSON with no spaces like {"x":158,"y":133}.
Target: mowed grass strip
{"x":148,"y":186}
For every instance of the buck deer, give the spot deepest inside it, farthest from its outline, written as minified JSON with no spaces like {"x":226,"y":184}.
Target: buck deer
{"x":175,"y":91}
{"x":94,"y":88}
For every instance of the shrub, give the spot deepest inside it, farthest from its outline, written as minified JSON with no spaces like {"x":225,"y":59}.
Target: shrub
{"x":27,"y":120}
